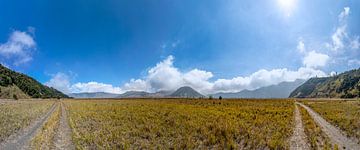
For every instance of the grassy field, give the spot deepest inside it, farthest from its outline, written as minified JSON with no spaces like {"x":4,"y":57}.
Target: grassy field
{"x":166,"y":124}
{"x":15,"y":115}
{"x":344,"y":114}
{"x":44,"y":139}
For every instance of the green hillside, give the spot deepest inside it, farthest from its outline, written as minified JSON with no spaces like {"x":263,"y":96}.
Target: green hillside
{"x":345,"y":85}
{"x":26,"y":84}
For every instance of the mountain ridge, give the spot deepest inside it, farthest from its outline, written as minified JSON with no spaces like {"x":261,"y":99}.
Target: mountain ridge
{"x":27,"y":85}
{"x":344,"y":85}
{"x":281,"y":90}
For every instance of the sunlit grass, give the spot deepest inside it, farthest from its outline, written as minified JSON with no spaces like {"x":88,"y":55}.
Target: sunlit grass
{"x":184,"y":124}
{"x":44,"y":139}
{"x":19,"y":114}
{"x":316,"y":138}
{"x":343,"y":114}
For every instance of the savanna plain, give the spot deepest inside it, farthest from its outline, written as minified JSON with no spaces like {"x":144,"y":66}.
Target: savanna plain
{"x":180,"y":123}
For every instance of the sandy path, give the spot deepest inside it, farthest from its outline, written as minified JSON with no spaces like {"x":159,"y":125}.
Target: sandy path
{"x":22,"y":139}
{"x":63,"y":139}
{"x":331,"y":131}
{"x":298,"y":140}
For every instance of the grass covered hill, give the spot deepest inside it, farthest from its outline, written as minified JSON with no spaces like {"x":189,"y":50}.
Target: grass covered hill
{"x":26,"y":84}
{"x":344,"y":85}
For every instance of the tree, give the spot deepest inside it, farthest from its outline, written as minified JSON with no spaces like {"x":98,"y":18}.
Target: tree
{"x":220,"y":98}
{"x":210,"y":97}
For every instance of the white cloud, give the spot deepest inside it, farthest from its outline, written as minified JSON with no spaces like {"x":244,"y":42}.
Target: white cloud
{"x":264,"y":78}
{"x":338,"y":38}
{"x":136,"y":85}
{"x":341,"y":39}
{"x":344,"y":14}
{"x":333,"y":73}
{"x":19,"y":47}
{"x":60,"y":81}
{"x":314,"y":59}
{"x":94,"y":87}
{"x":301,"y":46}
{"x":165,"y":76}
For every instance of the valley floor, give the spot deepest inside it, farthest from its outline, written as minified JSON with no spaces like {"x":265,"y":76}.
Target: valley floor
{"x":180,"y":124}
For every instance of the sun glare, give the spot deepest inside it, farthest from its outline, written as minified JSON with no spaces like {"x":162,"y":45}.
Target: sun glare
{"x":287,"y":6}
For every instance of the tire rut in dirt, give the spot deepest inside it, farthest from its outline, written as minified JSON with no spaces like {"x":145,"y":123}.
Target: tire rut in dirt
{"x":63,"y":138}
{"x":331,"y":131}
{"x":298,"y":140}
{"x":22,"y":139}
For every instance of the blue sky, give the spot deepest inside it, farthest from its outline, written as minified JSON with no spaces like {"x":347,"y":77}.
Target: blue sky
{"x":211,"y":45}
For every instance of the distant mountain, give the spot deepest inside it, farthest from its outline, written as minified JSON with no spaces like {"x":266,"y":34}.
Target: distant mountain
{"x":93,"y":95}
{"x":281,"y":90}
{"x":134,"y":94}
{"x":186,"y":92}
{"x":14,"y":83}
{"x":143,"y":94}
{"x":345,"y":85}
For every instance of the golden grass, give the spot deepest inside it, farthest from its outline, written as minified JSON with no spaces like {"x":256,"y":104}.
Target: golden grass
{"x":15,"y":115}
{"x":44,"y":139}
{"x":315,"y":136}
{"x":343,"y":114}
{"x":181,"y":124}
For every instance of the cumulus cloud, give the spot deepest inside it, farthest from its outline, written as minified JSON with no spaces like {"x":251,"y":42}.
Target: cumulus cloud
{"x":18,"y":48}
{"x":264,"y":78}
{"x":60,"y":81}
{"x":94,"y":87}
{"x":314,"y":59}
{"x":165,"y":76}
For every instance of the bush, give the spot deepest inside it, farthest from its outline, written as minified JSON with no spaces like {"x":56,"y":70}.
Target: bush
{"x":15,"y":97}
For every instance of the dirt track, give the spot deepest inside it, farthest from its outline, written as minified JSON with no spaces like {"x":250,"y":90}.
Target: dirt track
{"x":298,"y":141}
{"x":63,"y":135}
{"x":22,"y":139}
{"x":331,"y":131}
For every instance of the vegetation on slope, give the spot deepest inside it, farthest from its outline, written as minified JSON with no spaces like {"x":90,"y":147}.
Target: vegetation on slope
{"x":345,"y":85}
{"x":11,"y":90}
{"x":27,"y":84}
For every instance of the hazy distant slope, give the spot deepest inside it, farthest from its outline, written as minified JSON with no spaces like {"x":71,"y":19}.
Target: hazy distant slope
{"x":27,"y":85}
{"x":345,"y":85}
{"x":281,"y":90}
{"x":93,"y":95}
{"x":186,"y":91}
{"x":134,"y":94}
